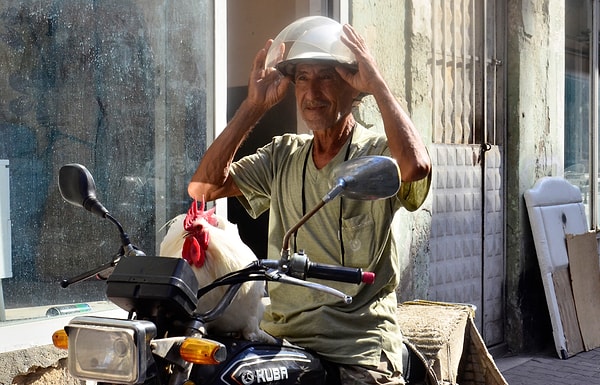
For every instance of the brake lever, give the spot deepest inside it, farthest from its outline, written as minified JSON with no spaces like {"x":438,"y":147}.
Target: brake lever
{"x":101,"y":272}
{"x":278,"y":276}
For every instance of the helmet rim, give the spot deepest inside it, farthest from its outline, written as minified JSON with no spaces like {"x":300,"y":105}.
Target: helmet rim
{"x":309,"y":39}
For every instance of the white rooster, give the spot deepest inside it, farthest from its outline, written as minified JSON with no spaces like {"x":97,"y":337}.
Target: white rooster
{"x":213,"y":247}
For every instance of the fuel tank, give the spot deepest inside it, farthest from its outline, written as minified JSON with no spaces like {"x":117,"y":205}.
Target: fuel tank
{"x":250,"y":363}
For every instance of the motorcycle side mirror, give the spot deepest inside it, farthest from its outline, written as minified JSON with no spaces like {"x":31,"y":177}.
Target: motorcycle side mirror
{"x":77,"y":187}
{"x":365,"y":178}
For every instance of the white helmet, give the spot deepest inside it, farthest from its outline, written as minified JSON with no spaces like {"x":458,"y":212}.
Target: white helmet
{"x":307,"y":39}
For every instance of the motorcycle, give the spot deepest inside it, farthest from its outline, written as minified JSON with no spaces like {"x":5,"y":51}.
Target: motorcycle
{"x":164,"y":339}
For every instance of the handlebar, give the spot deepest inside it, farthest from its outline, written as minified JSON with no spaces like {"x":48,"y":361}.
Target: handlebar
{"x":339,"y":273}
{"x":299,"y":266}
{"x":292,"y":271}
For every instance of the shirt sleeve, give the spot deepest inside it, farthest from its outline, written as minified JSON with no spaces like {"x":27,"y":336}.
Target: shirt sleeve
{"x":413,"y":194}
{"x":255,"y":174}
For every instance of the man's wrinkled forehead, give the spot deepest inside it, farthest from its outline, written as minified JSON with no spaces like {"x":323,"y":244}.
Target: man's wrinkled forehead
{"x":320,"y":67}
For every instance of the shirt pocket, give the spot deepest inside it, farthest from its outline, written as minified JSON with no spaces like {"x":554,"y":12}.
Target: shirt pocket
{"x":358,"y":238}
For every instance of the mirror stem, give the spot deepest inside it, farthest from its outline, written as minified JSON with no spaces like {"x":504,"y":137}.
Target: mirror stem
{"x":128,"y":248}
{"x":285,"y":252}
{"x":334,"y":192}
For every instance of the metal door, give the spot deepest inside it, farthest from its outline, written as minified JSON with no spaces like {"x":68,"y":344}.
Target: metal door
{"x":467,"y":235}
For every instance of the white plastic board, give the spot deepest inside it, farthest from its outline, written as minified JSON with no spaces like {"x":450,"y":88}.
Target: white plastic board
{"x":555,"y":209}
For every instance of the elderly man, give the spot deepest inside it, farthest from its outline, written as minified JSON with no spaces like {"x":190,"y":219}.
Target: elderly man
{"x":289,"y":176}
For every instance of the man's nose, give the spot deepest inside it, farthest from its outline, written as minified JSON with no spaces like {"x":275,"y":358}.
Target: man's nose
{"x":314,"y":88}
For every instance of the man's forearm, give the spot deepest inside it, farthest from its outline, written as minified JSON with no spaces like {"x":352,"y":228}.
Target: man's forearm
{"x":404,"y":140}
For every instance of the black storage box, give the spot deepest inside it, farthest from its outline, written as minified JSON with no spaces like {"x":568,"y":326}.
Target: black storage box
{"x":153,"y":285}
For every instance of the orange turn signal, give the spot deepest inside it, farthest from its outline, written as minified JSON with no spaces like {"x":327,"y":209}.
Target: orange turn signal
{"x":202,"y":351}
{"x":60,"y":339}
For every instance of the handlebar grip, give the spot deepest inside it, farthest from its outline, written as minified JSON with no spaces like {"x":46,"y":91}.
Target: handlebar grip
{"x":339,"y":273}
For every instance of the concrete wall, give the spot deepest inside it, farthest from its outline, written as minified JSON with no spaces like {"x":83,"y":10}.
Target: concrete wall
{"x":36,"y":366}
{"x":535,"y":117}
{"x":398,"y":35}
{"x":534,"y":144}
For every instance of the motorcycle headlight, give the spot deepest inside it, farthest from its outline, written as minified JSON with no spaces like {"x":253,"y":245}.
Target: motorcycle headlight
{"x":111,"y":350}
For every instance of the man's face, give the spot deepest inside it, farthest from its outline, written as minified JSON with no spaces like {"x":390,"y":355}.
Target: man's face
{"x":323,"y":97}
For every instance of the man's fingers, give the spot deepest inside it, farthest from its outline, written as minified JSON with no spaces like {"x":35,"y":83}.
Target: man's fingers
{"x":261,"y":56}
{"x":352,"y":37}
{"x":344,"y":73}
{"x":355,"y":42}
{"x":281,"y":52}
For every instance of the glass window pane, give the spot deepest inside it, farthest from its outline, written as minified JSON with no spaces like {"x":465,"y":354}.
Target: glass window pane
{"x":119,"y":86}
{"x":577,"y":94}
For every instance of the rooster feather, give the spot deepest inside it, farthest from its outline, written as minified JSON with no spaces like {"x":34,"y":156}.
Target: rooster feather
{"x":213,"y":247}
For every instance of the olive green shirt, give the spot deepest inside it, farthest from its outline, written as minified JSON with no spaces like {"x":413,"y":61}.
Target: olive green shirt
{"x":281,"y":177}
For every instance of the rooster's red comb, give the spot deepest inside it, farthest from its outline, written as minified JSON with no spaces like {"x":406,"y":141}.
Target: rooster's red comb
{"x":196,"y":239}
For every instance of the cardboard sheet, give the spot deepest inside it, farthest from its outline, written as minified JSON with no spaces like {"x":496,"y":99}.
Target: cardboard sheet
{"x":585,"y":279}
{"x":568,"y":313}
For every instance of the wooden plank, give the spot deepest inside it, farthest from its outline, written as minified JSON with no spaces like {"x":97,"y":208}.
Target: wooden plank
{"x":566,"y":308}
{"x":585,"y":279}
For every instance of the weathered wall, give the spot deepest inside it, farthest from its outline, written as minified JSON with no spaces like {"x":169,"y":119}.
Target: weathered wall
{"x":535,"y":95}
{"x":534,"y":145}
{"x":399,"y":39}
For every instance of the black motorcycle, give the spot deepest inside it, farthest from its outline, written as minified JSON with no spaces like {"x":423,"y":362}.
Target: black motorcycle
{"x":164,"y":339}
